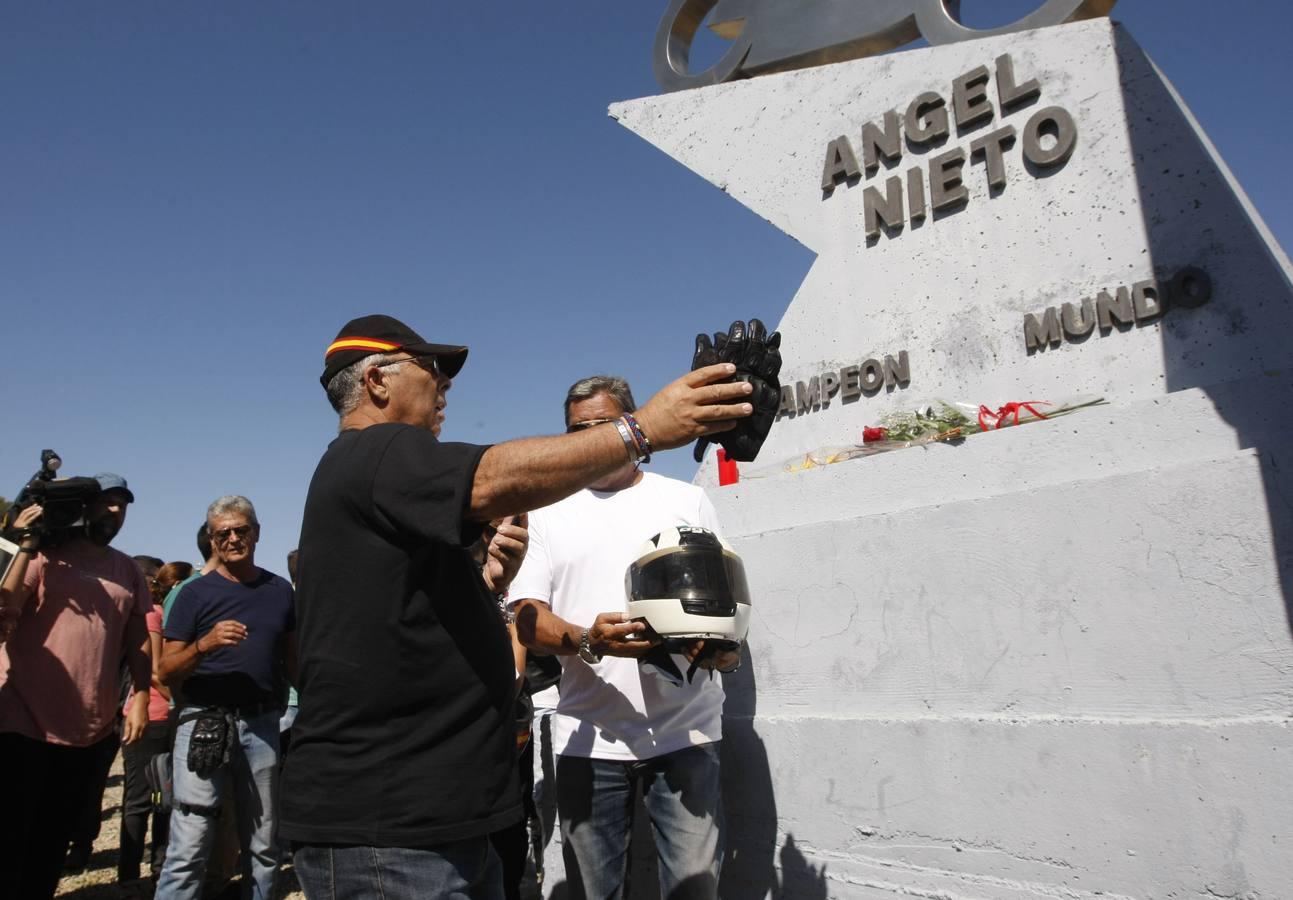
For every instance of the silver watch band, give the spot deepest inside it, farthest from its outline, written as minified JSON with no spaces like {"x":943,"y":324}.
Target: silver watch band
{"x":586,"y":649}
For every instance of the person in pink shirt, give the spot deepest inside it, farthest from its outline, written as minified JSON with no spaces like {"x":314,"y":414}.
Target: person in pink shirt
{"x":68,"y":616}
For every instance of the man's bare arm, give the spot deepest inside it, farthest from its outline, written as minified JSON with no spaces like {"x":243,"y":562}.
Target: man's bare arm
{"x":155,"y":652}
{"x":13,"y":590}
{"x":518,"y":476}
{"x":543,"y":631}
{"x":180,"y":658}
{"x":138,"y":659}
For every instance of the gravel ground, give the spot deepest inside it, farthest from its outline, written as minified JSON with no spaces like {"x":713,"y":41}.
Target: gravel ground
{"x":99,"y":880}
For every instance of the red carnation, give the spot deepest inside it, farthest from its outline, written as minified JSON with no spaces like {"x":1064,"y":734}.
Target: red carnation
{"x":871,"y":435}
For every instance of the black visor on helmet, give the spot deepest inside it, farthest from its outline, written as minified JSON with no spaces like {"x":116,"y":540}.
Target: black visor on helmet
{"x":708,"y":581}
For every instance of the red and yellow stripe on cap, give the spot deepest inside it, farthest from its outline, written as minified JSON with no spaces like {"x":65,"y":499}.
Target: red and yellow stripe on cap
{"x":360,"y":343}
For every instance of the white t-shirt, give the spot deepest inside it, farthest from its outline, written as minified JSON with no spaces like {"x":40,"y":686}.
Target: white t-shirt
{"x":579,"y":550}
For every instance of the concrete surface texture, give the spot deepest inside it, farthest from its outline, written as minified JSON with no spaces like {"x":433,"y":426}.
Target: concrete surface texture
{"x":1053,"y":661}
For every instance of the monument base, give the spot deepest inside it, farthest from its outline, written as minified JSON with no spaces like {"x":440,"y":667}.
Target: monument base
{"x":1053,"y":661}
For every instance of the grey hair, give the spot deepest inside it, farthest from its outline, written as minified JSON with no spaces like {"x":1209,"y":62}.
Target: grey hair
{"x":588,"y":388}
{"x":346,"y":388}
{"x":232,"y":503}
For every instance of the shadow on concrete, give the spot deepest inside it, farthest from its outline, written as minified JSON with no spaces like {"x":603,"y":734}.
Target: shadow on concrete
{"x":751,"y":859}
{"x":1235,"y":347}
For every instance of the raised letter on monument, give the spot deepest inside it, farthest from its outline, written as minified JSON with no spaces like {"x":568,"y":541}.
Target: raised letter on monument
{"x":887,"y":209}
{"x":787,"y":400}
{"x":872,"y":376}
{"x":897,"y":371}
{"x":1055,"y":121}
{"x":830,"y":385}
{"x":970,"y":97}
{"x":852,"y":387}
{"x":1107,"y":309}
{"x":1146,"y":300}
{"x":839,"y":161}
{"x":1191,"y":287}
{"x":809,"y":395}
{"x":945,"y":186}
{"x":926,"y":119}
{"x":990,"y":147}
{"x":915,"y":194}
{"x":1008,"y":92}
{"x":1076,"y":327}
{"x":1047,"y":331}
{"x":877,"y":143}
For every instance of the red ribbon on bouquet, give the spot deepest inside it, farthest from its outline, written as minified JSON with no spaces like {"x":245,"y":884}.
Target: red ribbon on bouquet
{"x":1007,"y":411}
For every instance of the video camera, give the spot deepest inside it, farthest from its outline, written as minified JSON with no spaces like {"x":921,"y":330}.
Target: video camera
{"x":63,"y":499}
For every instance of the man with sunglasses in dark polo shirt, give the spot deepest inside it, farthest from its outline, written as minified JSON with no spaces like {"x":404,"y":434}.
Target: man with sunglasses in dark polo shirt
{"x":402,"y":756}
{"x":227,"y":640}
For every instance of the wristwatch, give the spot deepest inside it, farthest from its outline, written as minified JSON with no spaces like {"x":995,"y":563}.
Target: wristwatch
{"x":586,"y":650}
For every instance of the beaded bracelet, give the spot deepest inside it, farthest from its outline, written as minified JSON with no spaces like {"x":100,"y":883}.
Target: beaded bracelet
{"x":629,"y":444}
{"x":644,"y":446}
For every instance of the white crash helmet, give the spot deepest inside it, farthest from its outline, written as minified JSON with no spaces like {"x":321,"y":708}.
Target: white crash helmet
{"x":688,"y":583}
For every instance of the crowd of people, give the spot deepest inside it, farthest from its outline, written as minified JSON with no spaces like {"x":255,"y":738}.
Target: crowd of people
{"x":449,"y":659}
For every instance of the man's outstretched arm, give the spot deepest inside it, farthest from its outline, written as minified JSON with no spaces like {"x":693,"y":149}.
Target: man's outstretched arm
{"x":518,"y":476}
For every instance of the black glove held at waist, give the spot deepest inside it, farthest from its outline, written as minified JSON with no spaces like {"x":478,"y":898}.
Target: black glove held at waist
{"x":211,"y":741}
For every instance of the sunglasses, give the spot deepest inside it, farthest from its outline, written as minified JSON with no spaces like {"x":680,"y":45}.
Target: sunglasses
{"x":223,"y":535}
{"x":589,"y":423}
{"x":425,"y":363}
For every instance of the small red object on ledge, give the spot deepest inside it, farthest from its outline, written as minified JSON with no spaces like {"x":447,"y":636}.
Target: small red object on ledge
{"x":1003,"y":414}
{"x":727,"y":473}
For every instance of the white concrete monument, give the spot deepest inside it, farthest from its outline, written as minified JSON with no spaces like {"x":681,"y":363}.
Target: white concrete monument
{"x":1052,"y":661}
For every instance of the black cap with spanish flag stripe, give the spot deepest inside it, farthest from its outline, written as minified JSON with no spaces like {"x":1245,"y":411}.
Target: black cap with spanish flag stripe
{"x":382,"y":334}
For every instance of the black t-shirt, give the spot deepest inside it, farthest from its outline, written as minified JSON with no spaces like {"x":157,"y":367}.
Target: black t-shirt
{"x":246,"y":673}
{"x":404,"y":736}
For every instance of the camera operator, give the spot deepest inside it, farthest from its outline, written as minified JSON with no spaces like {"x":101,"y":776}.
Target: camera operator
{"x":72,"y":613}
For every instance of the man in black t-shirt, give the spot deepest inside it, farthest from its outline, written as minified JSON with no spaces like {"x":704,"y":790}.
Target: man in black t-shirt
{"x":227,"y":639}
{"x":402,"y":756}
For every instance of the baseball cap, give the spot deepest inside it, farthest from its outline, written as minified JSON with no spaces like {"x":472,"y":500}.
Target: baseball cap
{"x":383,"y":334}
{"x":110,"y":481}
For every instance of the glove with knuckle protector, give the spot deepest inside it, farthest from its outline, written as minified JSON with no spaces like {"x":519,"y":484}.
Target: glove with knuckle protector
{"x":757,"y":357}
{"x":210,"y":742}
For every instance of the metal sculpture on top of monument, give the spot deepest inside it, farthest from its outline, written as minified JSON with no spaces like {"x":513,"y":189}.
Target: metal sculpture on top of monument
{"x":777,"y":35}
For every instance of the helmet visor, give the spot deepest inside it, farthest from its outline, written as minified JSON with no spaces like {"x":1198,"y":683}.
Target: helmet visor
{"x":706,"y":580}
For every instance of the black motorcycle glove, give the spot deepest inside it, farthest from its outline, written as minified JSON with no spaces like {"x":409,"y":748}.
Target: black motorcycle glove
{"x":757,"y":357}
{"x":210,"y":742}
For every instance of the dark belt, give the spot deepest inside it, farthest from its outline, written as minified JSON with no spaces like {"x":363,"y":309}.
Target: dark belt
{"x":248,"y":711}
{"x":256,"y":709}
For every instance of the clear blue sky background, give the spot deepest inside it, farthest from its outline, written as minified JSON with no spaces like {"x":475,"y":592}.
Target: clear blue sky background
{"x":195,"y":196}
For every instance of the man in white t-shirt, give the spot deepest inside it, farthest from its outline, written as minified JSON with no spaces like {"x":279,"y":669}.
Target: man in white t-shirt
{"x":620,"y":723}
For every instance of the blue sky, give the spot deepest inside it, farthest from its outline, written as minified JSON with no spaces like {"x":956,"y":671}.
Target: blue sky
{"x":194,"y":198}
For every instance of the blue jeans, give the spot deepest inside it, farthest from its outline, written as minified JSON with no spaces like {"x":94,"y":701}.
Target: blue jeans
{"x":250,"y":781}
{"x":288,"y":719}
{"x":682,"y":795}
{"x":462,"y":870}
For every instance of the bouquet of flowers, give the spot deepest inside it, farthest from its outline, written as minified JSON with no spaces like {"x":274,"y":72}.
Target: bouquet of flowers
{"x":935,"y":422}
